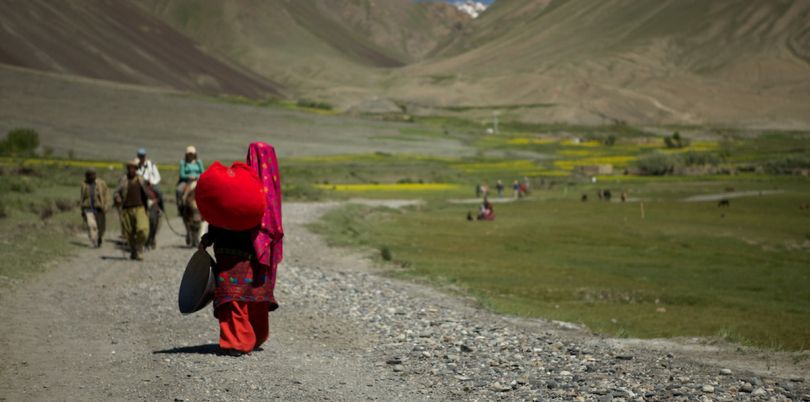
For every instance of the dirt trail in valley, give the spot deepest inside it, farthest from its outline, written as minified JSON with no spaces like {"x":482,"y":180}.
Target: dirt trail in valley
{"x":99,"y":326}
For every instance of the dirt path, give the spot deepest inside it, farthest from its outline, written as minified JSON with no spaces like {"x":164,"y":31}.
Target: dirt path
{"x":102,"y":327}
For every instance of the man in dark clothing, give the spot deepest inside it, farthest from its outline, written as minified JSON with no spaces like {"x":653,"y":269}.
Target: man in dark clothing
{"x":131,"y":197}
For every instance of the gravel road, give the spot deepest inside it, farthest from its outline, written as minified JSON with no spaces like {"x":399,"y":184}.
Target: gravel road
{"x":99,"y":327}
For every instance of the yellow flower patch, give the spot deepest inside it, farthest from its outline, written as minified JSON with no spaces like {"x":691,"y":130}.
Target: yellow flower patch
{"x":530,"y":141}
{"x":592,"y":143}
{"x":521,"y":164}
{"x":73,"y":163}
{"x":616,"y":161}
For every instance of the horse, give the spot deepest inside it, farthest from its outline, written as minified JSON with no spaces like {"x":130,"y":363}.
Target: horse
{"x":192,"y":219}
{"x":153,"y":212}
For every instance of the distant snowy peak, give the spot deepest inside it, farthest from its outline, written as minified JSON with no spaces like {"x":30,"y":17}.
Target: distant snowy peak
{"x":473,"y":8}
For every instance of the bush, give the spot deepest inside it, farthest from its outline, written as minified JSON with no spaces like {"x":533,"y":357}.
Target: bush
{"x":385,"y":253}
{"x":676,"y":141}
{"x":700,"y":159}
{"x":313,"y":104}
{"x":20,"y":141}
{"x":21,"y":187}
{"x":64,"y":205}
{"x":656,"y":164}
{"x":788,"y":164}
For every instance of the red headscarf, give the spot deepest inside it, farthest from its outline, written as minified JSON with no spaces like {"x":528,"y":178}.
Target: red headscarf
{"x":267,"y":242}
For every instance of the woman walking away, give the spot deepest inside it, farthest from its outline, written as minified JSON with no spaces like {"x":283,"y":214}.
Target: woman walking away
{"x":190,"y":169}
{"x":243,"y":207}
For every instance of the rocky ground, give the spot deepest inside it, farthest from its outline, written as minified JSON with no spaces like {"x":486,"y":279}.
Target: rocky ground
{"x":102,"y":327}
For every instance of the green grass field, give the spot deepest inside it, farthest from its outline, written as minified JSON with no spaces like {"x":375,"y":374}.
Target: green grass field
{"x":686,"y":269}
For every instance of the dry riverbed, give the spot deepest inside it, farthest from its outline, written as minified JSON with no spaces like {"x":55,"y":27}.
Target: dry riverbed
{"x":102,"y":327}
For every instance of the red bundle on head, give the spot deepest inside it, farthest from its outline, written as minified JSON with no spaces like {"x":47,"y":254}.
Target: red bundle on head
{"x":231,"y":198}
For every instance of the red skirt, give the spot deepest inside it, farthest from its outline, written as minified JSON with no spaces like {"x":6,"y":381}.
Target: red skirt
{"x":242,"y":280}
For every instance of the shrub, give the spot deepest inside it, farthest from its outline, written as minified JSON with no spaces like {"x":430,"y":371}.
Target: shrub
{"x":313,"y":104}
{"x":385,"y":253}
{"x":700,"y":159}
{"x":656,"y":164}
{"x":676,"y":141}
{"x":20,"y":141}
{"x":788,"y":164}
{"x":64,"y":205}
{"x":21,"y":187}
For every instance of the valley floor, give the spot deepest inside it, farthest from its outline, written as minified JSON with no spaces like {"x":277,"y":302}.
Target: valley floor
{"x":102,"y":327}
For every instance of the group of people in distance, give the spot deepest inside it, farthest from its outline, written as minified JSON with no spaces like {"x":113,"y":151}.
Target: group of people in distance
{"x":242,"y":204}
{"x":137,"y":198}
{"x":485,"y":211}
{"x":520,"y":188}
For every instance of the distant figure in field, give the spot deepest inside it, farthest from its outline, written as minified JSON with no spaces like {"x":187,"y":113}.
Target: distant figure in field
{"x":485,"y":190}
{"x":516,"y":188}
{"x":499,"y":187}
{"x":94,"y":203}
{"x":607,"y":195}
{"x":724,"y":203}
{"x":469,"y":216}
{"x":624,"y":196}
{"x":149,"y":171}
{"x":190,"y":170}
{"x":131,"y":197}
{"x":526,"y":185}
{"x":486,"y":212}
{"x":584,"y":198}
{"x":477,"y":190}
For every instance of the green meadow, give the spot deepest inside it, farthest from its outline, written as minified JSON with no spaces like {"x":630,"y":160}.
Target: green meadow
{"x":684,"y":269}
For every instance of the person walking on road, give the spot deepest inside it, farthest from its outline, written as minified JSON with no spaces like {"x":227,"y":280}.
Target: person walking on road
{"x":149,"y":171}
{"x":247,"y":252}
{"x":131,"y":196}
{"x":94,"y":203}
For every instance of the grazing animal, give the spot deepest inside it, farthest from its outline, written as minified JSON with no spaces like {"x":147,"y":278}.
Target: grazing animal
{"x":724,"y":203}
{"x":606,"y":195}
{"x":192,"y":219}
{"x":584,"y":197}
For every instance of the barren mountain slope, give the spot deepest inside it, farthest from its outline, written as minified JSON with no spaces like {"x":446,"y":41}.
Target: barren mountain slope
{"x":115,"y":41}
{"x":685,"y":61}
{"x":333,"y":49}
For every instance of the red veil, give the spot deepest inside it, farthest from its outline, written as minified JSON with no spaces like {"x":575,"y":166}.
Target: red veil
{"x":267,"y":239}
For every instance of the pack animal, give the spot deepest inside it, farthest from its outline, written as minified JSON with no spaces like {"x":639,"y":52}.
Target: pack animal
{"x":192,"y":219}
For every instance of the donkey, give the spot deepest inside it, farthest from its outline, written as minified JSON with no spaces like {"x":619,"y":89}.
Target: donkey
{"x":192,"y":219}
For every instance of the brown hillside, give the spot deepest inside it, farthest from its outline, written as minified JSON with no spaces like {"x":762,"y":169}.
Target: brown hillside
{"x":645,"y":62}
{"x":113,"y":40}
{"x":333,"y":49}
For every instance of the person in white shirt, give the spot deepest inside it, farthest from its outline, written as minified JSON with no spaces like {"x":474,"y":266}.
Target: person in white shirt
{"x":150,"y":173}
